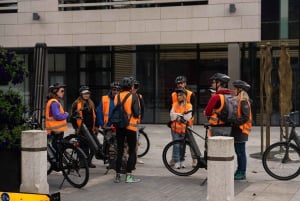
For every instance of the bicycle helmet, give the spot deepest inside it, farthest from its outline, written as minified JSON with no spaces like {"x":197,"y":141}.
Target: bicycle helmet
{"x":126,"y":83}
{"x":241,"y":84}
{"x":181,"y":90}
{"x":180,"y":79}
{"x":53,"y":88}
{"x":220,"y":77}
{"x":84,"y":90}
{"x":115,"y":85}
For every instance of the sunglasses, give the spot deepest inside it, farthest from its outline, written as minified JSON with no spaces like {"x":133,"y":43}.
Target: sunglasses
{"x":61,"y":91}
{"x":115,"y":89}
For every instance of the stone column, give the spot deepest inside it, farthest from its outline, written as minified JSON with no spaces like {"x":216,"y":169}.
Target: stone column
{"x":234,"y":61}
{"x":220,"y":169}
{"x":34,"y":162}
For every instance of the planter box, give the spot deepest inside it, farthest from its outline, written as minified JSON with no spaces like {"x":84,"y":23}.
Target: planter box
{"x":10,"y":170}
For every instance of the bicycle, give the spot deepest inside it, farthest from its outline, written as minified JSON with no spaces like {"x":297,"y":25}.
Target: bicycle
{"x":281,"y":160}
{"x":143,"y":142}
{"x":194,"y":153}
{"x":66,"y":157}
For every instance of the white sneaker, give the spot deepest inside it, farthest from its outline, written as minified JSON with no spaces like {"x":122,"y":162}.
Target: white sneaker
{"x":182,"y":165}
{"x":177,"y":165}
{"x":139,"y":161}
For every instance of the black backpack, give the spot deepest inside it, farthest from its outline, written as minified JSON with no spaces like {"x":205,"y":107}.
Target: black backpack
{"x":119,"y":116}
{"x":229,"y":112}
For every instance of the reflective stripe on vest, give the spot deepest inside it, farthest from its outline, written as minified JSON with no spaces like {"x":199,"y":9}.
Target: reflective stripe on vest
{"x":214,"y":119}
{"x":52,"y":124}
{"x":105,"y":108}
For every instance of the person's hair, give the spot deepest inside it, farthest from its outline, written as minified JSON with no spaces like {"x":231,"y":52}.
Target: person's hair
{"x":243,"y":95}
{"x":89,"y":103}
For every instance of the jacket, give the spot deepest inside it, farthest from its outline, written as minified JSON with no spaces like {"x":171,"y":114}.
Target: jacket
{"x":52,"y":123}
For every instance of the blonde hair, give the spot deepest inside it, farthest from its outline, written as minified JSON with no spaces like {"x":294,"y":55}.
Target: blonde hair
{"x":89,"y":103}
{"x":243,"y":95}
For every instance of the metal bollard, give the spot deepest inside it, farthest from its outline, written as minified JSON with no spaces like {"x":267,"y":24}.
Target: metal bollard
{"x":34,"y":162}
{"x":220,"y":169}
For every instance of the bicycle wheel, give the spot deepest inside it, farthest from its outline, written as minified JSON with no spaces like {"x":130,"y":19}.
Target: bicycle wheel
{"x":74,"y":166}
{"x":143,"y":144}
{"x":187,"y":168}
{"x":282,"y":161}
{"x":49,"y":166}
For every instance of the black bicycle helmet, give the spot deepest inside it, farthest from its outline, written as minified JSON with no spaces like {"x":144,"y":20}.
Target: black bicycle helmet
{"x":84,"y":89}
{"x":181,"y":90}
{"x":126,"y":83}
{"x":180,"y":79}
{"x":220,"y":77}
{"x":54,"y":87}
{"x":115,"y":85}
{"x":241,"y":84}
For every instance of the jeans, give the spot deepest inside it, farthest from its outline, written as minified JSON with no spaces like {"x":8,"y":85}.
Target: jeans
{"x":176,"y":147}
{"x":240,"y":150}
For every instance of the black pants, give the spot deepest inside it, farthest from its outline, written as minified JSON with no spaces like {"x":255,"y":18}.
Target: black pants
{"x":130,"y":136}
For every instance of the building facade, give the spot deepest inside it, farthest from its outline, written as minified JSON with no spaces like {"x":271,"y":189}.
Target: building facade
{"x":94,"y":42}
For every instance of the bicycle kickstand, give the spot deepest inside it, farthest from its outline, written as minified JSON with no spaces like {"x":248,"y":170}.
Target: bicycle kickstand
{"x":60,"y":186}
{"x":204,"y":182}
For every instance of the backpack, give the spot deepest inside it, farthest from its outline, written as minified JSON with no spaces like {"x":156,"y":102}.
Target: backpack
{"x":229,"y":112}
{"x":119,"y":117}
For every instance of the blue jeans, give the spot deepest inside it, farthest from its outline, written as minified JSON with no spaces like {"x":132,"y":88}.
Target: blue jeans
{"x":176,"y":147}
{"x":240,"y":150}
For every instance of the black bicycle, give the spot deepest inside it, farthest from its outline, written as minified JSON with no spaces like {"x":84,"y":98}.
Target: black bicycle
{"x":67,"y":157}
{"x":143,"y":142}
{"x":281,"y":160}
{"x":189,"y":152}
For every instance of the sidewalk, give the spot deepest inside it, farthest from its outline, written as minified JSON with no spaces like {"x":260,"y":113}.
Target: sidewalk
{"x":159,"y":184}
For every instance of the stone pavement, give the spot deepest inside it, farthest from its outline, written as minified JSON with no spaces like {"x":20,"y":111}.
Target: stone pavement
{"x":159,"y":184}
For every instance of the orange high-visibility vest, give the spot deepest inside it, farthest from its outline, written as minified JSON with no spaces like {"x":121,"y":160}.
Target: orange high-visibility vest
{"x":79,"y":108}
{"x":51,"y":123}
{"x":246,"y":127}
{"x":188,"y":96}
{"x":214,"y":119}
{"x":105,"y":108}
{"x":127,"y":107}
{"x":179,"y":127}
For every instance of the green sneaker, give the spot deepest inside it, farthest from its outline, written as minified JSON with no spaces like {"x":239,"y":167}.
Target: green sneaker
{"x":117,"y":178}
{"x":131,"y":179}
{"x":239,"y":176}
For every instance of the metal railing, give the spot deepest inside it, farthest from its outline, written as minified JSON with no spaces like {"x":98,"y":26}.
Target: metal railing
{"x":65,"y":5}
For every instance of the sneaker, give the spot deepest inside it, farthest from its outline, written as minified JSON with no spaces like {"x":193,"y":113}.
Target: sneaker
{"x":182,"y":165}
{"x":194,"y":163}
{"x":131,"y":179}
{"x":171,"y":163}
{"x":91,"y":165}
{"x":139,"y":161}
{"x":239,"y":176}
{"x":117,"y":178}
{"x":177,"y":165}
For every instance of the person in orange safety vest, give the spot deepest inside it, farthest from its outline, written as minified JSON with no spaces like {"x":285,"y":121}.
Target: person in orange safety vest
{"x":178,"y":129}
{"x":242,"y":126}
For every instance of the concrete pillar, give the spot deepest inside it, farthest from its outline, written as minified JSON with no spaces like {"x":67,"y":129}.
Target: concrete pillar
{"x":220,"y":169}
{"x":234,"y":61}
{"x":34,"y":162}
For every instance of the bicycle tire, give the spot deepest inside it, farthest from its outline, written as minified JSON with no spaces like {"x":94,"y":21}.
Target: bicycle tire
{"x":186,"y":154}
{"x":143,"y":143}
{"x":282,"y":161}
{"x":74,"y":166}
